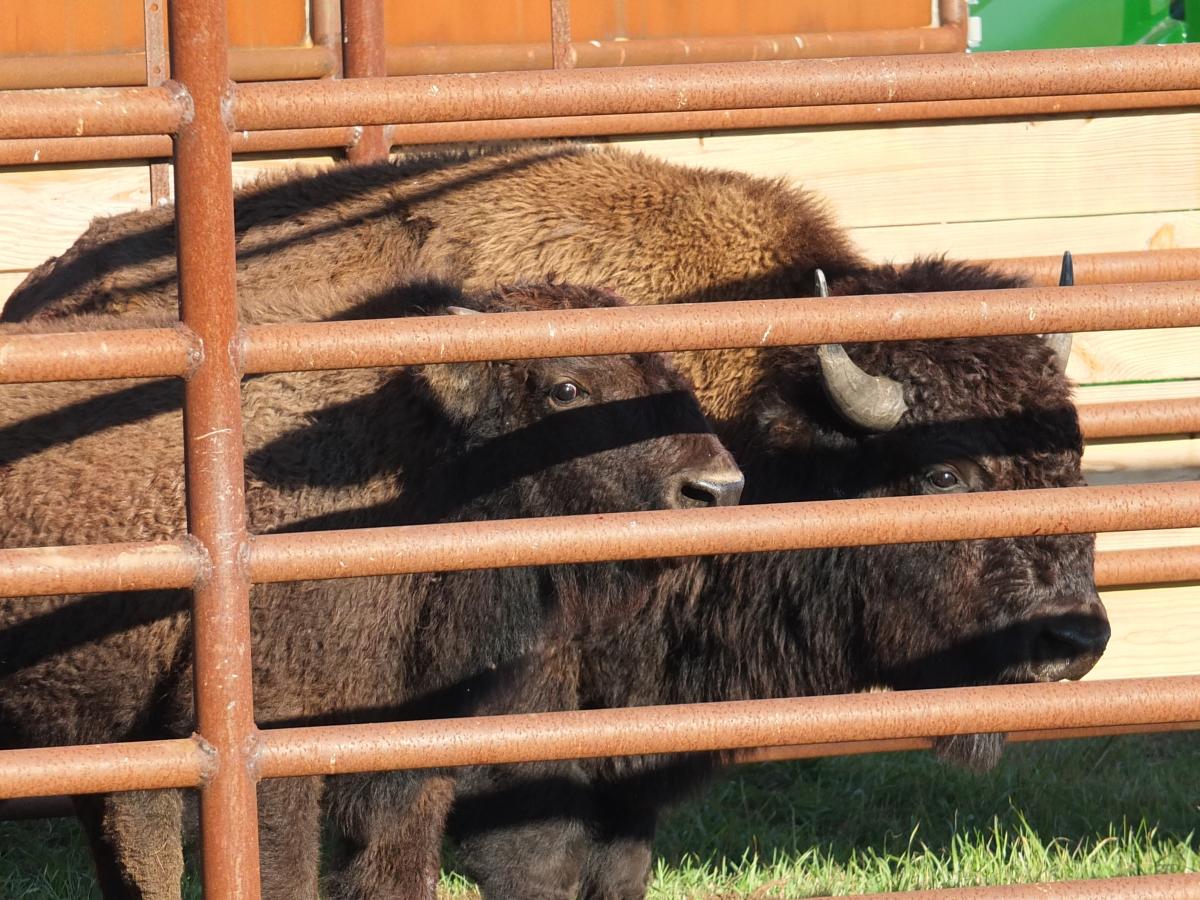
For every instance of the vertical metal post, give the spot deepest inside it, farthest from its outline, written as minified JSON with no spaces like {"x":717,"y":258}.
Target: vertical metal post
{"x":560,"y":34}
{"x":326,"y":30}
{"x":155,"y":17}
{"x":213,"y":445}
{"x":365,"y":45}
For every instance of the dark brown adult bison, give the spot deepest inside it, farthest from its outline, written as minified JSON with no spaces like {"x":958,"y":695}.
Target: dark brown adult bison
{"x":102,"y":462}
{"x":963,"y":415}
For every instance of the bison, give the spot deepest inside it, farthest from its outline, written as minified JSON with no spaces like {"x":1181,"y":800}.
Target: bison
{"x":103,"y":462}
{"x":921,"y":417}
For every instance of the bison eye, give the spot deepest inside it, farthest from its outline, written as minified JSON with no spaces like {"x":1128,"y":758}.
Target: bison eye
{"x":943,"y":478}
{"x":565,"y":392}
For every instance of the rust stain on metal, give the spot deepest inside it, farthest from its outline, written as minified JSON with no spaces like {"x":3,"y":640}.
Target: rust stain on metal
{"x":365,"y":56}
{"x":92,"y":111}
{"x":99,"y":768}
{"x":84,"y":356}
{"x":213,"y":451}
{"x":743,"y":323}
{"x":728,"y":725}
{"x":756,"y":528}
{"x":746,"y":85}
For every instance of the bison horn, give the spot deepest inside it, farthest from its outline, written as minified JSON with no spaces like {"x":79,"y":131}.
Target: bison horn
{"x":872,"y":402}
{"x":462,"y":311}
{"x":1061,"y":343}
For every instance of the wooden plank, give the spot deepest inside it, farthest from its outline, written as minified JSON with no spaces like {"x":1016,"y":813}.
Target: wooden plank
{"x":1123,"y":393}
{"x":46,"y":208}
{"x":1156,"y":632}
{"x":1032,"y":237}
{"x":1143,"y":540}
{"x":970,"y":171}
{"x":1142,"y":460}
{"x":1149,"y":355}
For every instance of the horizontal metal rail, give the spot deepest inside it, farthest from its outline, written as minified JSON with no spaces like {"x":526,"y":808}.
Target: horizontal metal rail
{"x":93,"y":111}
{"x":774,"y":526}
{"x":444,"y":59}
{"x":904,"y":745}
{"x":70,"y":70}
{"x":592,"y":538}
{"x":146,"y":765}
{"x":91,"y":568}
{"x":1173,"y":264}
{"x":749,"y":85}
{"x":45,"y":151}
{"x":31,"y":151}
{"x":1139,"y":887}
{"x":91,"y":355}
{"x":727,"y":725}
{"x":1139,"y":418}
{"x":635,"y":329}
{"x":741,"y":323}
{"x":826,"y":724}
{"x":1147,"y":565}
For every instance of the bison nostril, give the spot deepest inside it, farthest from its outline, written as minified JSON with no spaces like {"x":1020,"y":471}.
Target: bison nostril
{"x":710,"y":490}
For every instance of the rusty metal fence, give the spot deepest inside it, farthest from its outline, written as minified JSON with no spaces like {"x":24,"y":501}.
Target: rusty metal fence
{"x":210,"y":351}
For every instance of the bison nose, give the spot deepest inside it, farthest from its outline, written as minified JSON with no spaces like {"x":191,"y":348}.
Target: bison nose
{"x":712,"y":488}
{"x":1071,"y":644}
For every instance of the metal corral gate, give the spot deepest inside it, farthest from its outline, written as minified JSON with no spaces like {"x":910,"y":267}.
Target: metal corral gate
{"x":209,"y":350}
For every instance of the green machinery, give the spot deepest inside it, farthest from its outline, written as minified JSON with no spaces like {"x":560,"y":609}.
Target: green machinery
{"x":1038,"y":24}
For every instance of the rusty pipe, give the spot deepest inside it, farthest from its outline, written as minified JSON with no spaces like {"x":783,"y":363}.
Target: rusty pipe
{"x":90,"y":568}
{"x":739,"y":323}
{"x":563,"y":53}
{"x":1139,"y":887}
{"x":44,"y":151}
{"x":731,"y":725}
{"x":758,"y":528}
{"x":96,"y":768}
{"x":128,"y":69}
{"x":904,"y":745}
{"x":1107,"y":268}
{"x":365,"y":56}
{"x":213,"y":451}
{"x":444,"y":59}
{"x":504,"y":95}
{"x":94,"y":568}
{"x":84,"y":356}
{"x":1140,"y":418}
{"x":93,"y":111}
{"x":32,"y":151}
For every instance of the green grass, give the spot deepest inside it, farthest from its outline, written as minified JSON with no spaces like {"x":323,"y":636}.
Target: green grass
{"x":1076,"y":809}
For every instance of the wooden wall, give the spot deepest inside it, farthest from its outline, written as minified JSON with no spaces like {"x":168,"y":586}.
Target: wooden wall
{"x":972,"y":189}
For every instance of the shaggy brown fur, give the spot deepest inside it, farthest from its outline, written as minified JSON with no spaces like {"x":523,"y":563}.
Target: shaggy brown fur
{"x":994,"y":411}
{"x":102,"y":462}
{"x":652,"y":232}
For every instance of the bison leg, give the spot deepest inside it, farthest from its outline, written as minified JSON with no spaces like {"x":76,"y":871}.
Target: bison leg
{"x":522,"y":830}
{"x":393,"y":824}
{"x":136,"y":841}
{"x":619,"y":855}
{"x":289,"y":837}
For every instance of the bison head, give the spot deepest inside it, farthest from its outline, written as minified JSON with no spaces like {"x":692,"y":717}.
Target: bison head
{"x":583,"y":434}
{"x":938,"y":417}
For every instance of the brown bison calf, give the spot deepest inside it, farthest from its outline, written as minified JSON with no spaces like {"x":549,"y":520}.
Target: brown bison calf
{"x":86,"y":463}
